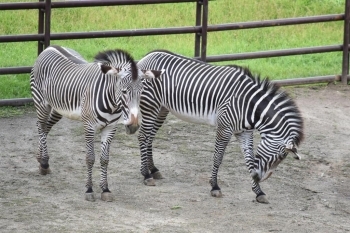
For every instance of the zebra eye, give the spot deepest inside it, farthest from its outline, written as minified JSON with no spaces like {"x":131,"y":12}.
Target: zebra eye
{"x":124,"y":91}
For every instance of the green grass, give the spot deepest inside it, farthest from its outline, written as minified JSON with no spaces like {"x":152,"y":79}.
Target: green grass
{"x":9,"y":111}
{"x":175,"y":15}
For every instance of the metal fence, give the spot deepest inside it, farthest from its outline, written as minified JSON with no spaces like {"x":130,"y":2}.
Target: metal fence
{"x":200,"y":31}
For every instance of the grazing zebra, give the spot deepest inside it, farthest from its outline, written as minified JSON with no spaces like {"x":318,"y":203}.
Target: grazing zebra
{"x":228,"y":97}
{"x":98,"y":94}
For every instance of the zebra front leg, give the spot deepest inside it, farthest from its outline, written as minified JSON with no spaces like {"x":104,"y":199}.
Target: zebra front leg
{"x":154,"y":171}
{"x":148,"y":179}
{"x":260,"y":195}
{"x":107,"y":135}
{"x":223,"y":136}
{"x":90,"y":160}
{"x":246,"y":141}
{"x":151,"y":122}
{"x":163,"y":113}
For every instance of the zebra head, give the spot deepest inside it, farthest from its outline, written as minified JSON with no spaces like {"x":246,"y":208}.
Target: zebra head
{"x":129,"y":83}
{"x":281,"y":129}
{"x":131,"y":93}
{"x":269,"y":155}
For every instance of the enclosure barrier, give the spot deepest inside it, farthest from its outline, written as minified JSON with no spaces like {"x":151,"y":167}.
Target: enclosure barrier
{"x":200,"y":31}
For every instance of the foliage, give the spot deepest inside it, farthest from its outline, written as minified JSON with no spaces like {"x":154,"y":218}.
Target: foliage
{"x":183,"y":14}
{"x":15,"y":111}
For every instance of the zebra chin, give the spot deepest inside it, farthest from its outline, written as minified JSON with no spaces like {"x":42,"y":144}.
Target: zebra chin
{"x":266,"y":176}
{"x":131,"y":129}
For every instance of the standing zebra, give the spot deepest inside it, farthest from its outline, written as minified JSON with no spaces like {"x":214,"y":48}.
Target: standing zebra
{"x":228,"y":97}
{"x":98,"y":94}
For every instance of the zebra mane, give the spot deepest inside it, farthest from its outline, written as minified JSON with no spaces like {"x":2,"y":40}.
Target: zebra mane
{"x":70,"y":54}
{"x":264,"y":83}
{"x":118,"y":58}
{"x":273,"y":89}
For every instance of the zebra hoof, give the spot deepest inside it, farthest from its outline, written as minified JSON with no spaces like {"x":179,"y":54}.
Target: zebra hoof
{"x":149,"y":182}
{"x":90,"y":196}
{"x":107,"y":196}
{"x":44,"y":171}
{"x":262,"y":199}
{"x":216,"y":193}
{"x":157,"y":175}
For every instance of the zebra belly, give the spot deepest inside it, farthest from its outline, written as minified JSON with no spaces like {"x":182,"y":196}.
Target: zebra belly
{"x":71,"y":114}
{"x":209,"y":119}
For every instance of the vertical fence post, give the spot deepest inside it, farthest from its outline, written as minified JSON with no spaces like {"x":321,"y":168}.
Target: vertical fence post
{"x":204,"y":31}
{"x":197,"y":40}
{"x":47,"y":23}
{"x":40,"y":27}
{"x":345,"y":66}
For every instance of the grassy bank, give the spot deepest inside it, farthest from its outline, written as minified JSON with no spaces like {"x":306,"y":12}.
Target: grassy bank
{"x":173,"y":15}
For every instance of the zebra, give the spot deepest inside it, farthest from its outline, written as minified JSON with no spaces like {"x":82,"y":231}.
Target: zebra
{"x":228,"y":97}
{"x":64,"y":84}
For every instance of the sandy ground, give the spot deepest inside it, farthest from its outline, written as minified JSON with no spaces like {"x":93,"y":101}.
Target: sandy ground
{"x":311,"y":195}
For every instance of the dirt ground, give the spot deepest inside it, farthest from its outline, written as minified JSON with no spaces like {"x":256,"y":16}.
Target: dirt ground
{"x":311,"y":195}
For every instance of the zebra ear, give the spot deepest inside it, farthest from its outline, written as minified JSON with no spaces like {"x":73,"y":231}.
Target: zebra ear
{"x":152,"y":74}
{"x":293,"y":149}
{"x":108,"y":69}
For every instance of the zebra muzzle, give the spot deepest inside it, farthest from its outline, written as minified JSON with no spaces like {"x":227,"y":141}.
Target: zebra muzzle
{"x":133,"y":126}
{"x":266,"y":176}
{"x":131,"y":129}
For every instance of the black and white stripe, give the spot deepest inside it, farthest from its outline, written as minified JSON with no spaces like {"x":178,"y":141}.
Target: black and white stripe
{"x":228,"y":97}
{"x":98,"y":94}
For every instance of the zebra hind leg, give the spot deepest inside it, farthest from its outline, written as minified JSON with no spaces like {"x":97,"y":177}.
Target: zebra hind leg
{"x":52,"y":120}
{"x":90,"y":160}
{"x":43,"y":157}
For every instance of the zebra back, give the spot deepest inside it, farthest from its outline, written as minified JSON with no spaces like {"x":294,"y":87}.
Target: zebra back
{"x":199,"y":92}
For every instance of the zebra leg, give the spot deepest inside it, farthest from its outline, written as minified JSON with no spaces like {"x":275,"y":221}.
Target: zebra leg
{"x":43,"y":157}
{"x":260,"y":195}
{"x":53,"y":119}
{"x":43,"y":112}
{"x":90,"y":160}
{"x":144,"y":137}
{"x":223,"y":136}
{"x":158,"y":123}
{"x":246,"y":141}
{"x":107,"y":135}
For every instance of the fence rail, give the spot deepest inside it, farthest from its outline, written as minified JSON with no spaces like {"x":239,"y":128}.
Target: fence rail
{"x":200,"y":31}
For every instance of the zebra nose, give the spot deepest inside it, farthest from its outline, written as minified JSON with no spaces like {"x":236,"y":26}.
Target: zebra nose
{"x":134,"y":119}
{"x":131,"y":129}
{"x":133,"y":125}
